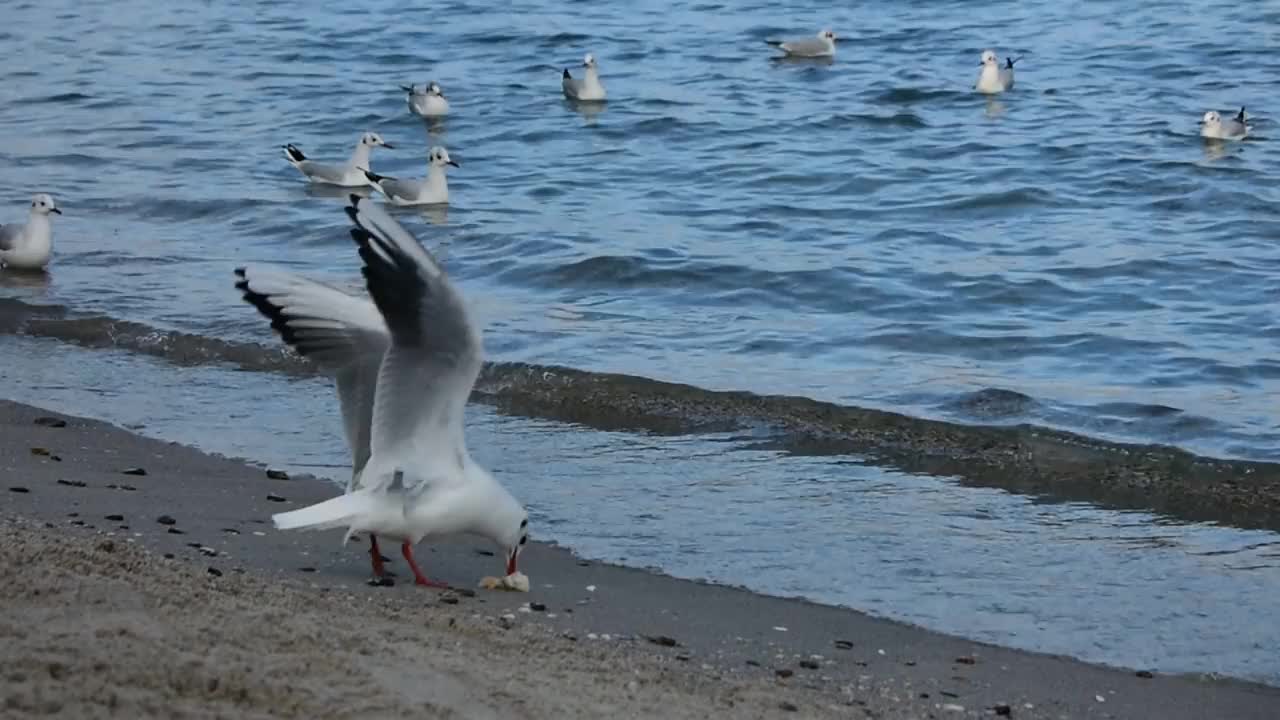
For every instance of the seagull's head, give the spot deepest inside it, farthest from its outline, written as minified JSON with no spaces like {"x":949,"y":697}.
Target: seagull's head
{"x":434,"y":89}
{"x":516,"y":546}
{"x":589,"y":61}
{"x":827,"y":35}
{"x":42,"y":204}
{"x":989,"y":58}
{"x":439,"y":157}
{"x":1211,"y":118}
{"x":373,"y":140}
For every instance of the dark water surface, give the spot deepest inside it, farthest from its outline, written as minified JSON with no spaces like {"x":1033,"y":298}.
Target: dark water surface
{"x":867,"y":232}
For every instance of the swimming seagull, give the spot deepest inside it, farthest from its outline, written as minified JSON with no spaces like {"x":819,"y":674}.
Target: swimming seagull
{"x":434,"y":190}
{"x":418,"y":480}
{"x":993,"y":79}
{"x":349,"y":174}
{"x":29,"y":246}
{"x":824,"y":45}
{"x":427,"y":101}
{"x":589,"y":87}
{"x":1212,"y":126}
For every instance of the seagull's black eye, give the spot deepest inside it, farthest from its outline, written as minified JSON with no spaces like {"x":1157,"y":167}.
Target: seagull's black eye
{"x":524,"y":523}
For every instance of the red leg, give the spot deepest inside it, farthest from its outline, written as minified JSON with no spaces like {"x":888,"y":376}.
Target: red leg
{"x":418,"y":578}
{"x":378,"y":570}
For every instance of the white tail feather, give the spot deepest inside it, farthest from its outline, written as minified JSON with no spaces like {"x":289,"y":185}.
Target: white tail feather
{"x":341,"y":511}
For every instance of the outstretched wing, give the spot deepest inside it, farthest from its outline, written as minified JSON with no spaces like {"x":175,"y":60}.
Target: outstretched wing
{"x":343,"y":334}
{"x":435,"y":354}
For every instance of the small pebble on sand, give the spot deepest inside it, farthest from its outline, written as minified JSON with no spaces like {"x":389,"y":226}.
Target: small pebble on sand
{"x":166,"y":520}
{"x":134,"y":471}
{"x":115,"y":518}
{"x":19,"y":489}
{"x":52,"y":422}
{"x":277,"y":475}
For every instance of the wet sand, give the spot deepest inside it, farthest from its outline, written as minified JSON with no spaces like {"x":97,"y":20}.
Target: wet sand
{"x":110,"y":611}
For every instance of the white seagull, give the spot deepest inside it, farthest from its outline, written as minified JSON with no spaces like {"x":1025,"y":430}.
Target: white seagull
{"x":589,"y":87}
{"x":418,"y":480}
{"x":992,"y":78}
{"x":29,"y":246}
{"x":348,"y":174}
{"x":822,"y":46}
{"x":427,"y":101}
{"x":434,"y":190}
{"x":1213,"y":127}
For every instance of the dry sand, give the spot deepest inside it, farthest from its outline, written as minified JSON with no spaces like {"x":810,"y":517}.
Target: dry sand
{"x":239,"y":621}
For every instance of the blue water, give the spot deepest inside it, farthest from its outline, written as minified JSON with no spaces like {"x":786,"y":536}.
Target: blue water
{"x":866,"y":231}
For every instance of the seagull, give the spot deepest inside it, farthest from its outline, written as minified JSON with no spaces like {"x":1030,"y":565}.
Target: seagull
{"x":1213,"y":127}
{"x":428,"y":101}
{"x":349,"y":174}
{"x":28,"y":247}
{"x":434,"y":190}
{"x":588,"y":88}
{"x":417,"y":479}
{"x":822,"y":46}
{"x":993,"y":79}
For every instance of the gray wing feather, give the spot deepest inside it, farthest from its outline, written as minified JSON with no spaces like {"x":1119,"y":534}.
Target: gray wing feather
{"x":321,"y":171}
{"x":571,"y":86}
{"x":435,"y":354}
{"x":9,"y":235}
{"x":394,"y":187}
{"x":807,"y":46}
{"x":345,"y":335}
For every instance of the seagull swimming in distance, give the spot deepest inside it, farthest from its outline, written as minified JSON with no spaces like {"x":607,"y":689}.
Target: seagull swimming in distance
{"x":405,"y":364}
{"x":349,"y":174}
{"x":427,"y":101}
{"x":589,"y":88}
{"x":1213,"y":127}
{"x":822,"y":46}
{"x":434,"y":190}
{"x":29,"y":246}
{"x":992,"y":78}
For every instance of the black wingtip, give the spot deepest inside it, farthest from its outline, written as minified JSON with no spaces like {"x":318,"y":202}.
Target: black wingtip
{"x":374,"y":177}
{"x":1240,"y":116}
{"x":1009,"y":63}
{"x":566,"y":74}
{"x":294,"y":153}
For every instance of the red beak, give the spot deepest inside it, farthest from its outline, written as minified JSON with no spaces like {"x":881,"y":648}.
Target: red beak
{"x":511,"y":564}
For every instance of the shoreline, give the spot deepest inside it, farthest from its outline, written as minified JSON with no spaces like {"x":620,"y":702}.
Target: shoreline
{"x":1024,"y":458}
{"x":727,"y":644}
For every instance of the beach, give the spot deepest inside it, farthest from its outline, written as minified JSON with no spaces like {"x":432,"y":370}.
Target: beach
{"x":168,"y":594}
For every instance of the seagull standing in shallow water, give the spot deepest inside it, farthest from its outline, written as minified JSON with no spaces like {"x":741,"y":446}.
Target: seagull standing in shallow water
{"x":993,"y":78}
{"x":29,"y":246}
{"x":589,"y":88}
{"x":1213,"y":127}
{"x":418,"y":480}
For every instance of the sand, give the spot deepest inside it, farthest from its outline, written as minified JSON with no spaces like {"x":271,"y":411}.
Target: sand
{"x":109,"y":612}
